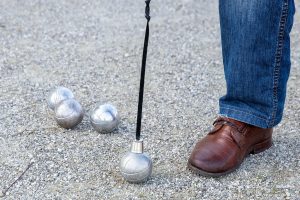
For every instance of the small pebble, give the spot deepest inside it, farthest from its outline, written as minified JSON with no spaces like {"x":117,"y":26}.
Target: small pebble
{"x":1,"y":194}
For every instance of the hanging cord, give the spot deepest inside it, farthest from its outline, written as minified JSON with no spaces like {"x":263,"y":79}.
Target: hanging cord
{"x":142,"y":80}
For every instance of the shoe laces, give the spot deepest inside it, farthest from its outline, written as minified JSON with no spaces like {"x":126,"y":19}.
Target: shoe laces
{"x":225,"y":121}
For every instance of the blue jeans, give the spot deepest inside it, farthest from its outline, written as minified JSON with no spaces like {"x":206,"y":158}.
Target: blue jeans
{"x":256,"y":57}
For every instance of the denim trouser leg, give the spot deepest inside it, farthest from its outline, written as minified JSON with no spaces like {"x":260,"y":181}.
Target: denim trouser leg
{"x":256,"y":57}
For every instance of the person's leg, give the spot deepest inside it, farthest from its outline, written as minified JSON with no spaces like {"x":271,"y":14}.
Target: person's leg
{"x":256,"y":55}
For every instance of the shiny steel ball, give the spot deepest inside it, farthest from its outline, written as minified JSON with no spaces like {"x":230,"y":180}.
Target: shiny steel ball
{"x":57,"y":95}
{"x":105,"y":118}
{"x":68,"y":113}
{"x":136,"y":167}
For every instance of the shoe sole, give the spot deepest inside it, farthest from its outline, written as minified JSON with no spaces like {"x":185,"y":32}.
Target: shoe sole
{"x":257,"y":148}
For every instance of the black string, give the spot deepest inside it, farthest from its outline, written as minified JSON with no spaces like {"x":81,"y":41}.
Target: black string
{"x":142,"y":80}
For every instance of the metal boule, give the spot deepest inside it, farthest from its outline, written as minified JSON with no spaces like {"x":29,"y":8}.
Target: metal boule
{"x":57,"y":95}
{"x":105,"y":118}
{"x":68,"y":113}
{"x":136,"y":166}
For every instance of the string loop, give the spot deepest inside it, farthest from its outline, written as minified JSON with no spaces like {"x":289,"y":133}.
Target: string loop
{"x":147,"y":10}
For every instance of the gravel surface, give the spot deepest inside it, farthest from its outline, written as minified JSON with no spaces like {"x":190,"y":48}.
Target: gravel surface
{"x":94,"y":48}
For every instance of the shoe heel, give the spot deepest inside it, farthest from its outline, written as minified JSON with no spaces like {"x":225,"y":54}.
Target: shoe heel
{"x":262,"y":146}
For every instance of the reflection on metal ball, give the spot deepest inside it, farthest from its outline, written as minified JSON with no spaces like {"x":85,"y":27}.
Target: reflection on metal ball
{"x":68,"y":113}
{"x":136,"y":167}
{"x":104,"y":118}
{"x":57,"y":95}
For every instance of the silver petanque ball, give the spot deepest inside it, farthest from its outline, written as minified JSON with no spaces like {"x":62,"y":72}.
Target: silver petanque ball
{"x":57,"y":95}
{"x":135,"y":166}
{"x":68,"y":113}
{"x":105,"y":118}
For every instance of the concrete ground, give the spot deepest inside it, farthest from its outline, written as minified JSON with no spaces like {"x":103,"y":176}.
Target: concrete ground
{"x":94,"y":48}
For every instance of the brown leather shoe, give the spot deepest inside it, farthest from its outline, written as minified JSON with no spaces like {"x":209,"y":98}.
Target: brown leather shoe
{"x":225,"y":147}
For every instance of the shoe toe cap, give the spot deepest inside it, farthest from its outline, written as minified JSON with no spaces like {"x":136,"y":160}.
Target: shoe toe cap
{"x":212,"y":160}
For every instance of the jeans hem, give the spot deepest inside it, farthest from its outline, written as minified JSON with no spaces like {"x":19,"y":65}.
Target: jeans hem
{"x":278,"y":59}
{"x":244,"y":116}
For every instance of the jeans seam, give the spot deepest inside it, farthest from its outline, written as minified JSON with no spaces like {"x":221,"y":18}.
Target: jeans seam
{"x":248,"y":113}
{"x":278,"y":58}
